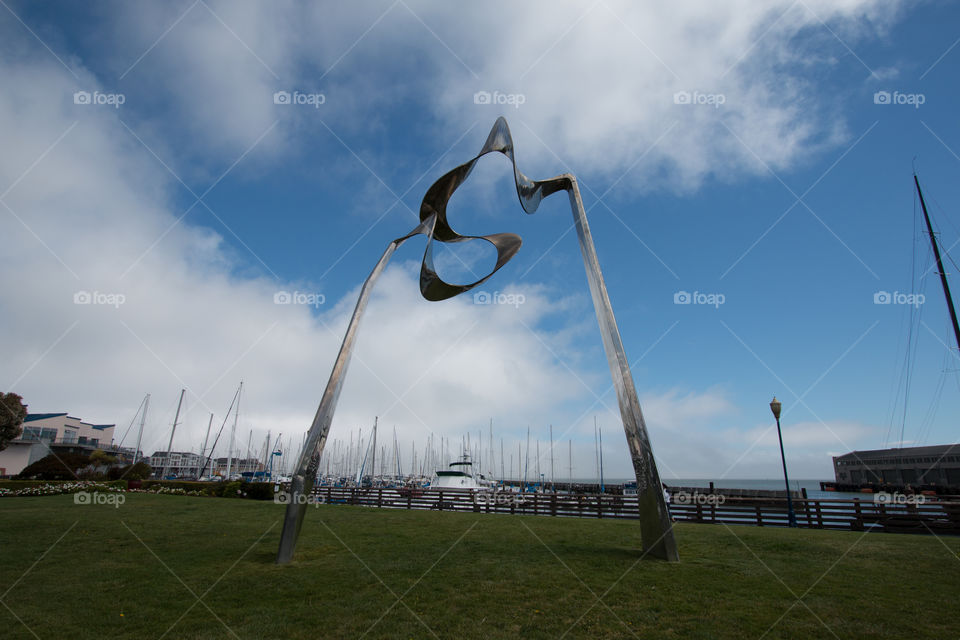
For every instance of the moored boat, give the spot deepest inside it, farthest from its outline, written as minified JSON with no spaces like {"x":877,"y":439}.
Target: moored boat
{"x":460,"y":476}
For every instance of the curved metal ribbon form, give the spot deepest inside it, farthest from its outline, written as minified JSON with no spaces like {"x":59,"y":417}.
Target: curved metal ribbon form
{"x":655,"y":524}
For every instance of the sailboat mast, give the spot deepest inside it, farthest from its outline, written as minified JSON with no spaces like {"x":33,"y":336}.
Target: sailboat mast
{"x":553,"y":478}
{"x":245,"y":460}
{"x":233,"y":432}
{"x":492,"y":466}
{"x":596,"y":450}
{"x":600,"y":436}
{"x":143,"y":419}
{"x":502,"y":477}
{"x":166,"y":461}
{"x":940,"y":269}
{"x":373,"y":460}
{"x":206,"y":438}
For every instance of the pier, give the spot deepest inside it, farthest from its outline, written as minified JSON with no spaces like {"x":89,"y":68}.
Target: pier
{"x":893,"y":514}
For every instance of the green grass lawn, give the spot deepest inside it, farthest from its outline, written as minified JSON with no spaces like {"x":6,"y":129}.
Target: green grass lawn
{"x":179,"y":567}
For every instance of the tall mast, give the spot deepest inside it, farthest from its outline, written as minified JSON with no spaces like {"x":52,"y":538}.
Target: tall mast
{"x":206,"y":438}
{"x":596,"y":450}
{"x":245,"y":460}
{"x":940,"y":269}
{"x":373,"y":460}
{"x":553,"y":478}
{"x":539,"y":476}
{"x":600,"y":435}
{"x":396,"y":453}
{"x":526,"y":461}
{"x":143,"y":418}
{"x":267,"y":453}
{"x":502,"y":477}
{"x":492,"y":464}
{"x":166,"y":461}
{"x":233,"y":432}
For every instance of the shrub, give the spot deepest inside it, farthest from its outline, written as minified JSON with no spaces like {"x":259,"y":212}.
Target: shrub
{"x":63,"y":466}
{"x":139,"y":471}
{"x":230,"y":489}
{"x":258,"y":490}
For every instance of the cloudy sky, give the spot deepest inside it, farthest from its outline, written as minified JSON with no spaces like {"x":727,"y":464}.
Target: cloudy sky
{"x":168,"y":169}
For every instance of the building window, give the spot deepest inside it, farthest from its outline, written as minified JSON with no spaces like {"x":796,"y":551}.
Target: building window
{"x":38,"y":434}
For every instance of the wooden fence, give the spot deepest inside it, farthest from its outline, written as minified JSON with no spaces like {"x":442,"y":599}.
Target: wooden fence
{"x":893,"y":513}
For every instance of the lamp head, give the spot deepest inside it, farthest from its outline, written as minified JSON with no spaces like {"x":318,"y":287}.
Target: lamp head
{"x":775,"y":407}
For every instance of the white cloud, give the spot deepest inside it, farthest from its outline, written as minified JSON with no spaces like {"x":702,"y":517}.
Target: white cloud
{"x":598,"y":81}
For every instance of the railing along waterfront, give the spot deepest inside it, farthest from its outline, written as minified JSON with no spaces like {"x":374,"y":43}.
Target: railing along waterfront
{"x":893,"y":514}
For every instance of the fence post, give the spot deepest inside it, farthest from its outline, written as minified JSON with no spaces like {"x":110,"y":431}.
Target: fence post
{"x":759,"y":515}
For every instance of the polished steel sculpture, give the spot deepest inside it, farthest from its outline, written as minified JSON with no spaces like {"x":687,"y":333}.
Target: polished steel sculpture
{"x":655,"y":522}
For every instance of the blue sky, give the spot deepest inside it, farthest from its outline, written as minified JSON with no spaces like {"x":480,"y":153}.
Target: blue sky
{"x":793,"y":200}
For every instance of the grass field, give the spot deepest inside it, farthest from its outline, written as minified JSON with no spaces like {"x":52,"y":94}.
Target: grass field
{"x":178,"y":567}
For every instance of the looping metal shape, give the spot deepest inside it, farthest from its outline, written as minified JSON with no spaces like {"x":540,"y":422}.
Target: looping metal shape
{"x":433,"y":214}
{"x":656,"y":530}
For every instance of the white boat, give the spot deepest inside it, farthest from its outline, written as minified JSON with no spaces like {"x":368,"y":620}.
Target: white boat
{"x":460,"y":476}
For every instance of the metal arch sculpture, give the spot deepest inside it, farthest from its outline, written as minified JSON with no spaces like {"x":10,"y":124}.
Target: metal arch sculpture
{"x":655,"y":524}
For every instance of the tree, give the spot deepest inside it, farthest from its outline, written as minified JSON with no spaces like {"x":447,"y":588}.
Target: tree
{"x":101,"y":458}
{"x":55,"y":467}
{"x":12,"y":414}
{"x":139,"y":471}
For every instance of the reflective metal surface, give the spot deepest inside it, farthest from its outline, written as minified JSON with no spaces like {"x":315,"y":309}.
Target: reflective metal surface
{"x":655,"y":524}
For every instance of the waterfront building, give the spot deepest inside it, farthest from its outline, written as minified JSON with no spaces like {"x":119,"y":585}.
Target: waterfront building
{"x":916,"y":466}
{"x":46,"y":433}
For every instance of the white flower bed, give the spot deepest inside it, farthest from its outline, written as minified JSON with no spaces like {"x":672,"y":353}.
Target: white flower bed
{"x":59,"y":488}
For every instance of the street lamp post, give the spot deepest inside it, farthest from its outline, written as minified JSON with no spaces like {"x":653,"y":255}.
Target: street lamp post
{"x":791,"y":517}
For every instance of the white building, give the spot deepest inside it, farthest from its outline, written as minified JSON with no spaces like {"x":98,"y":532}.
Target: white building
{"x":44,"y":433}
{"x":185,"y":465}
{"x":181,"y":464}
